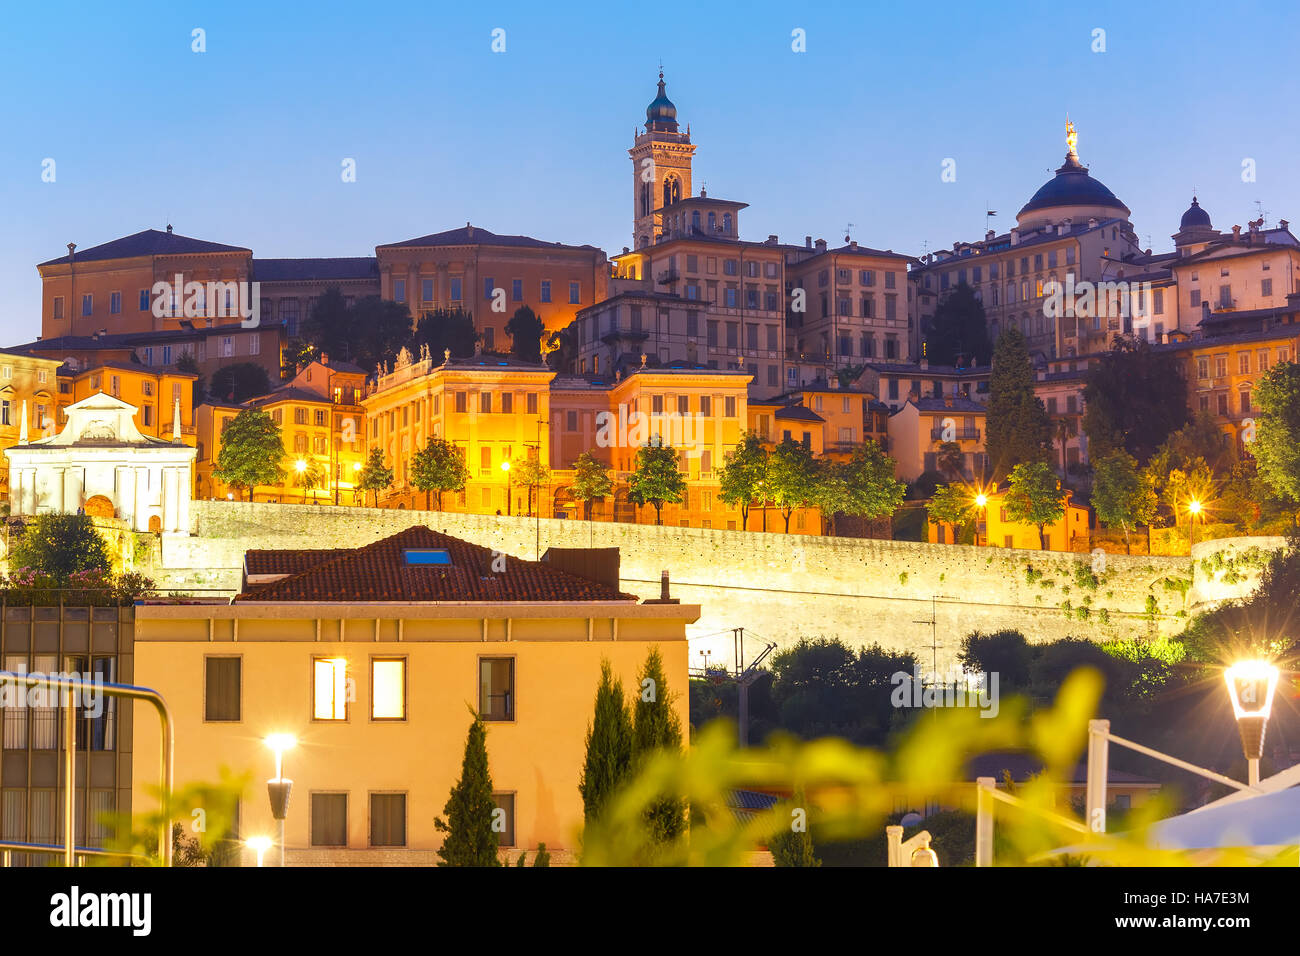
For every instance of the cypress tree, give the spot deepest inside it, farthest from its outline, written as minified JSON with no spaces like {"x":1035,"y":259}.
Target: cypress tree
{"x":470,"y":840}
{"x":609,"y":746}
{"x":793,"y":845}
{"x":1017,"y":428}
{"x":656,"y":727}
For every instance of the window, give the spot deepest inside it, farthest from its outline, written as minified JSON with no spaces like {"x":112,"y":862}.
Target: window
{"x":1266,"y":287}
{"x":399,"y":290}
{"x":575,"y":293}
{"x":462,"y":401}
{"x":388,"y":819}
{"x":329,"y":819}
{"x":254,"y":345}
{"x":388,"y":688}
{"x":516,"y":290}
{"x":504,"y":821}
{"x":507,"y":402}
{"x":546,"y":290}
{"x":488,"y":285}
{"x":221,"y":697}
{"x":115,"y":303}
{"x":729,"y":406}
{"x":227,"y":348}
{"x":87,"y":304}
{"x":144,"y":301}
{"x":147,"y":413}
{"x":496,"y":697}
{"x":330,"y":688}
{"x":531,"y":403}
{"x":455,"y":290}
{"x":1245,"y":401}
{"x":1243,"y":363}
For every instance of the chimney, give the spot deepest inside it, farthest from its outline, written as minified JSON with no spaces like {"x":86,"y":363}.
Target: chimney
{"x":664,"y":596}
{"x":988,"y":236}
{"x":821,"y":245}
{"x":169,"y":228}
{"x":72,"y":248}
{"x":1015,"y":237}
{"x":925,"y":363}
{"x":469,"y":230}
{"x":807,"y":242}
{"x":324,"y":358}
{"x":1283,"y":224}
{"x":772,"y":240}
{"x":1092,"y":222}
{"x":854,"y":245}
{"x":1236,"y":232}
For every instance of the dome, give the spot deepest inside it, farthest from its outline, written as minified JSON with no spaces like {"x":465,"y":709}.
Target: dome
{"x":661,"y":113}
{"x":1073,"y":186}
{"x":1195,"y":217}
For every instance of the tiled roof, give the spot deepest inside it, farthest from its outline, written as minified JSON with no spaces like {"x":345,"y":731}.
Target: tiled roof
{"x":379,"y":572}
{"x":289,"y":394}
{"x":307,"y":270}
{"x":288,"y":561}
{"x":798,"y":413}
{"x":948,"y":405}
{"x":477,"y":236}
{"x":151,"y":242}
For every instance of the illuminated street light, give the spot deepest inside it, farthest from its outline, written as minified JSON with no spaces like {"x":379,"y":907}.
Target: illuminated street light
{"x":259,"y":845}
{"x":981,"y":502}
{"x":1193,"y":512}
{"x":279,"y":788}
{"x":300,"y":466}
{"x":1251,"y":685}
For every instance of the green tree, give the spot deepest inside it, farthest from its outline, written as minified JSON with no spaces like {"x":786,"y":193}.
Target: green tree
{"x":472,"y":839}
{"x":830,"y":491}
{"x":375,"y":475}
{"x":657,"y":728}
{"x":251,"y":451}
{"x":439,"y":467}
{"x":239,"y":382}
{"x":1134,"y":398}
{"x":1034,"y":497}
{"x":873,"y":491}
{"x":187,"y":363}
{"x":60,"y":544}
{"x":1177,"y":474}
{"x":608,"y":761}
{"x":791,"y":478}
{"x":1005,"y":653}
{"x":377,"y":330}
{"x":525,"y":330}
{"x":591,"y":480}
{"x":950,"y":505}
{"x":743,"y":476}
{"x":327,"y":328}
{"x":1016,"y":424}
{"x":1122,"y":495}
{"x":1277,"y":430}
{"x":309,"y":477}
{"x":792,"y":845}
{"x":959,"y":329}
{"x":542,"y":857}
{"x":655,"y":478}
{"x":530,"y":473}
{"x":443,"y":329}
{"x":1061,"y":432}
{"x":950,"y":460}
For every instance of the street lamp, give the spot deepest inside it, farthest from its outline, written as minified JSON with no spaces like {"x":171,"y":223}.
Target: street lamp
{"x":981,"y":502}
{"x":505,"y":470}
{"x":259,"y":845}
{"x":279,"y":787}
{"x":1193,"y":512}
{"x":1251,"y":685}
{"x":300,"y":466}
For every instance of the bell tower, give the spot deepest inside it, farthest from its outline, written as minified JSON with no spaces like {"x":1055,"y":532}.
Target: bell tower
{"x":661,"y":167}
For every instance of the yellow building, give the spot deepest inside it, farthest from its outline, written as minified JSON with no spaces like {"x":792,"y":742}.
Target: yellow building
{"x":27,"y":386}
{"x":996,"y":529}
{"x":156,"y":393}
{"x":919,"y":429}
{"x":323,"y":428}
{"x":375,"y":679}
{"x":494,"y":409}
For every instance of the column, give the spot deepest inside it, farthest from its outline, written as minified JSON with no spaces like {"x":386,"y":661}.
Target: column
{"x":169,"y":483}
{"x":184,"y":488}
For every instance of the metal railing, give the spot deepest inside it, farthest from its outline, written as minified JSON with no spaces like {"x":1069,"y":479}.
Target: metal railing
{"x":69,"y":686}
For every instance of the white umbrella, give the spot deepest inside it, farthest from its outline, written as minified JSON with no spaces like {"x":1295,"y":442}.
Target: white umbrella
{"x":1268,"y":820}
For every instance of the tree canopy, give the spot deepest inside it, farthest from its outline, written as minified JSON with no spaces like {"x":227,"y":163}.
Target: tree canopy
{"x":591,"y":480}
{"x":655,"y":479}
{"x":1277,"y":430}
{"x":959,"y":330}
{"x":1017,"y":429}
{"x":439,"y":467}
{"x":375,"y":475}
{"x":1134,"y":398}
{"x":1034,"y":497}
{"x":443,"y":329}
{"x":472,"y":839}
{"x":742,"y":479}
{"x":1122,"y":495}
{"x":791,"y":478}
{"x":251,"y":452}
{"x":239,"y":382}
{"x":525,"y":330}
{"x":61,"y":545}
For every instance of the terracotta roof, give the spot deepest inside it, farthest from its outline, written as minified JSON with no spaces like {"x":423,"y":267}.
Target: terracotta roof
{"x":478,"y":236}
{"x":317,"y":269}
{"x":288,"y":561}
{"x":380,"y":572}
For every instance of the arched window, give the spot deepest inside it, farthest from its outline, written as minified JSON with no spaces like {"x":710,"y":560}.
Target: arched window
{"x":726,"y":224}
{"x":713,"y":223}
{"x":695,"y":220}
{"x":672,"y":190}
{"x":645,"y":199}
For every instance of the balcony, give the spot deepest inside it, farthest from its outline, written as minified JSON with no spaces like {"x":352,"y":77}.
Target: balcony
{"x":668,"y":277}
{"x":959,"y":434}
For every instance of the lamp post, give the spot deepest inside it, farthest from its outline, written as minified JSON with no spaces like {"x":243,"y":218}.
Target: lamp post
{"x":1251,"y":685}
{"x":1193,"y":512}
{"x":300,"y":466}
{"x":981,"y":502}
{"x":259,"y":845}
{"x":279,"y":787}
{"x":505,"y":470}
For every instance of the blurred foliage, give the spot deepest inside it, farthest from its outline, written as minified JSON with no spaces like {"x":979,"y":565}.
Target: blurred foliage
{"x":204,"y":820}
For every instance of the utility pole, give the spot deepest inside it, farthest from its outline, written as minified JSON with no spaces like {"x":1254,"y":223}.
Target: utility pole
{"x":934,"y":643}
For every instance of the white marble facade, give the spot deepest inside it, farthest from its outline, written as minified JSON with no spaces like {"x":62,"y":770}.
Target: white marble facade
{"x":101,"y":454}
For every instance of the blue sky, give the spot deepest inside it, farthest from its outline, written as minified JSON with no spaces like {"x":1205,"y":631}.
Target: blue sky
{"x":243,"y":144}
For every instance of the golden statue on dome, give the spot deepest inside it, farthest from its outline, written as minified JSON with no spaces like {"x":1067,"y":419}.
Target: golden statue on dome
{"x":1071,"y":138}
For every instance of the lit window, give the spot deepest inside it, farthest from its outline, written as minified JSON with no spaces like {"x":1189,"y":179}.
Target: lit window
{"x":388,"y":688}
{"x":331,"y":685}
